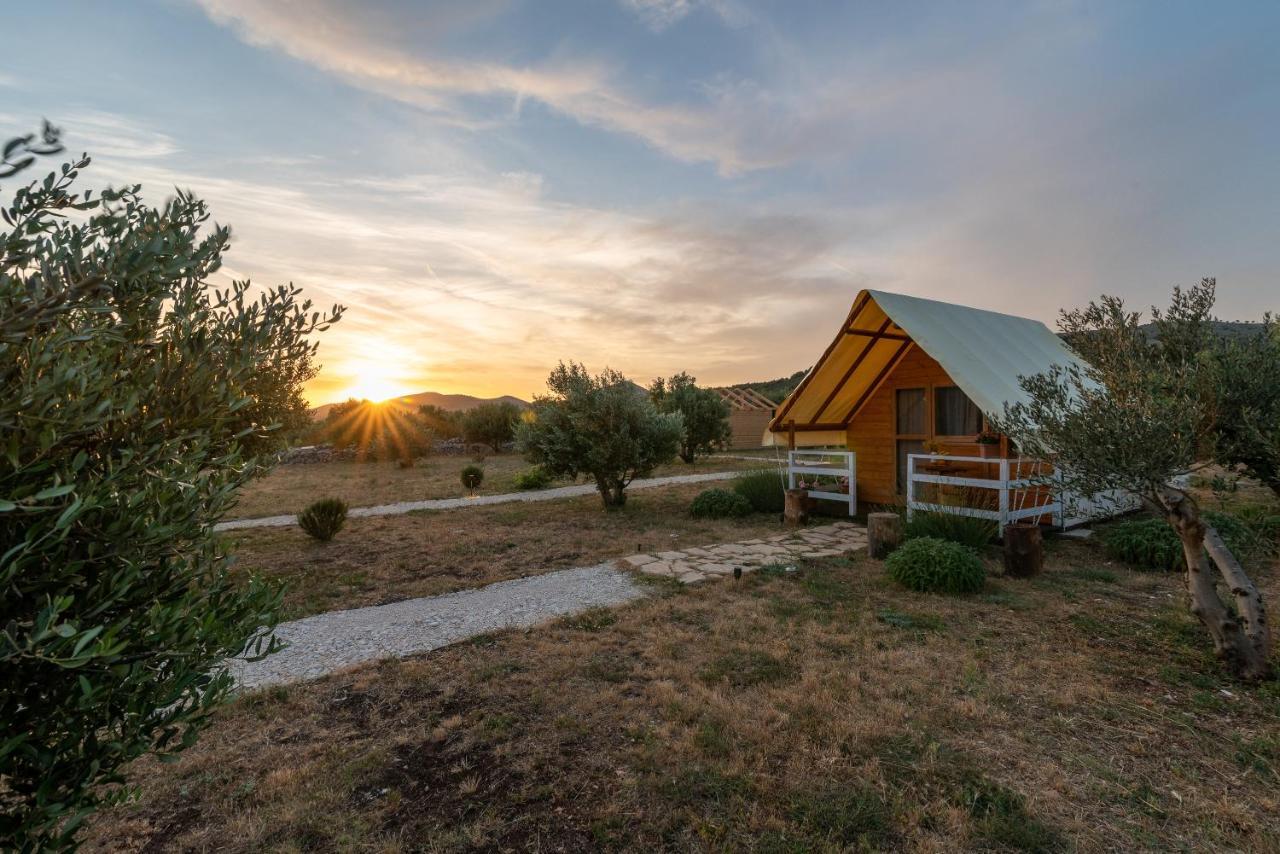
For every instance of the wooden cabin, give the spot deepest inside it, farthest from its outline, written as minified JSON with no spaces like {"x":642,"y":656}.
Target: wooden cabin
{"x":749,"y":415}
{"x":908,"y":376}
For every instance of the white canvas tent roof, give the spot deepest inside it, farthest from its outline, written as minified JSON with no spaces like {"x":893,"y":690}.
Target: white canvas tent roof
{"x":984,"y":352}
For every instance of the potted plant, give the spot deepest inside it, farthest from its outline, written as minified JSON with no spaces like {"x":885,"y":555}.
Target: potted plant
{"x":988,"y":444}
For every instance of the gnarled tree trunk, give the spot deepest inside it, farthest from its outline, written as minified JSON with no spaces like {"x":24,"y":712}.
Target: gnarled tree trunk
{"x":612,"y":492}
{"x":1244,"y":647}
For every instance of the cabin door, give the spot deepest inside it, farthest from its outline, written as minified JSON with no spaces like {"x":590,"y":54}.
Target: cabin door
{"x":911,"y":409}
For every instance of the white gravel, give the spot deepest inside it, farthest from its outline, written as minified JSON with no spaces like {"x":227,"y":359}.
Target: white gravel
{"x":337,"y":640}
{"x":479,"y":500}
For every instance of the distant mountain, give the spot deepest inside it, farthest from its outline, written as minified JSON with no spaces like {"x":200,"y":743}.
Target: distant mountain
{"x":1225,"y":329}
{"x":447,"y":402}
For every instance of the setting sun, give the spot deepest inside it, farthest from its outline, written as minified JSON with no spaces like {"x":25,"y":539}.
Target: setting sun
{"x":376,"y":388}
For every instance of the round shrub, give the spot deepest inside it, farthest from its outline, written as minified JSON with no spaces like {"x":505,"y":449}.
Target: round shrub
{"x":533,"y":478}
{"x":324,"y":518}
{"x":928,"y":564}
{"x":719,"y":504}
{"x":763,"y":489}
{"x":472,"y":477}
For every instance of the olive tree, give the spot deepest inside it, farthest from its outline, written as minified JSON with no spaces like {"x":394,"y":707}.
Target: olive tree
{"x":1136,"y":417}
{"x":601,"y":426}
{"x":376,"y":431}
{"x":491,"y":424}
{"x":1246,"y":398}
{"x":706,"y":415}
{"x":135,"y":399}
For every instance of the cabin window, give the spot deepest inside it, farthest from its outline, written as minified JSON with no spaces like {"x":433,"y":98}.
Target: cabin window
{"x":954,"y":413}
{"x":911,"y":412}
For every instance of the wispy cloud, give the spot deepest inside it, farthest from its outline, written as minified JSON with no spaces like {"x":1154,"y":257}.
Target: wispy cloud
{"x":736,"y":124}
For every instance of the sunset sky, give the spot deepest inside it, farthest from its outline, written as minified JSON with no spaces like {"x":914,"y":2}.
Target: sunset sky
{"x":658,"y":185}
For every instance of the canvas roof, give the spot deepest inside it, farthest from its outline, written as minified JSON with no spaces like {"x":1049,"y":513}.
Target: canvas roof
{"x":984,"y":352}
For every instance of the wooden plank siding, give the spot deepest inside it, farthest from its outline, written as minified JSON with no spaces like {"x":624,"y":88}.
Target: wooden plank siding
{"x":748,"y":428}
{"x":872,"y":433}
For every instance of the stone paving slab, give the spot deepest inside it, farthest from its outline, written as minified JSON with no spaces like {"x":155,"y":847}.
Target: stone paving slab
{"x":691,"y":566}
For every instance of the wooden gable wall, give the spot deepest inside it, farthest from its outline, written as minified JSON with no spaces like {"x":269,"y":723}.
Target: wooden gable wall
{"x":872,"y":434}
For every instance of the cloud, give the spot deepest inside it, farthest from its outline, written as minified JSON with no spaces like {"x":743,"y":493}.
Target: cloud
{"x":659,"y":14}
{"x":111,"y":135}
{"x":736,"y":124}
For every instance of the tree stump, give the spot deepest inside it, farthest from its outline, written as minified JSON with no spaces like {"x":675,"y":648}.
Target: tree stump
{"x":795,"y":508}
{"x":884,"y":534}
{"x":1023,"y":550}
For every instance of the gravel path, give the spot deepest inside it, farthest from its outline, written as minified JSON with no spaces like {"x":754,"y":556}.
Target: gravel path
{"x":479,"y":500}
{"x":339,"y":639}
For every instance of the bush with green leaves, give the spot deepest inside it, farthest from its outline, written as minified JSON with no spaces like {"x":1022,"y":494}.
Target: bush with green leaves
{"x":323,"y":519}
{"x":932,"y":565}
{"x":135,"y":400}
{"x":376,"y":431}
{"x":472,"y":477}
{"x":602,"y":426}
{"x":491,"y":424}
{"x":705,"y":414}
{"x":1149,"y":543}
{"x":765,"y":489}
{"x":966,"y":530}
{"x":534,"y":477}
{"x":719,"y":504}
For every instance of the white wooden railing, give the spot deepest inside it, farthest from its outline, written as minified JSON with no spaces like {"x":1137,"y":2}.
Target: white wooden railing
{"x":1013,"y":489}
{"x":837,"y":464}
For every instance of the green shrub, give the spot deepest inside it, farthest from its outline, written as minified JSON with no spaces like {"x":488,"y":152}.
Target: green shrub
{"x":139,"y":391}
{"x":929,"y":564}
{"x":472,"y":477}
{"x":764,"y":489}
{"x":719,"y":504}
{"x":1263,"y":521}
{"x":603,"y":427}
{"x":323,"y":519}
{"x":1150,"y":543}
{"x":965,"y":530}
{"x":491,"y":424}
{"x":535,"y":477}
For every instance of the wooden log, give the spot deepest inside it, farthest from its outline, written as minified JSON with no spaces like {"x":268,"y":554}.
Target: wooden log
{"x":1023,"y":550}
{"x":884,"y":534}
{"x":795,"y":508}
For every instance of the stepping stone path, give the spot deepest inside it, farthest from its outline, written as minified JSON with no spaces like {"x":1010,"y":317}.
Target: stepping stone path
{"x":691,"y":566}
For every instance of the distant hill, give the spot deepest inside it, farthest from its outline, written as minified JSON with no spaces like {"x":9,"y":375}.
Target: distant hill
{"x":1225,"y":329}
{"x":447,"y":402}
{"x":776,"y":390}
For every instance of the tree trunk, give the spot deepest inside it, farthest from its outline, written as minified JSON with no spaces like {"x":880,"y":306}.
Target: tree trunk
{"x":884,"y":533}
{"x":1230,"y":642}
{"x":795,"y":508}
{"x":1023,"y":550}
{"x":612,"y":493}
{"x":1249,"y":604}
{"x":687,"y":454}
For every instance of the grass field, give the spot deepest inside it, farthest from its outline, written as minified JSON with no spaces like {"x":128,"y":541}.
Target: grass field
{"x":290,"y":488}
{"x":386,"y":558}
{"x":821,"y":710}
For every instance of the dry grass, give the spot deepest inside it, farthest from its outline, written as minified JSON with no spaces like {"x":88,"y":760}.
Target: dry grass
{"x":820,"y":710}
{"x":290,"y":488}
{"x":384,"y":559}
